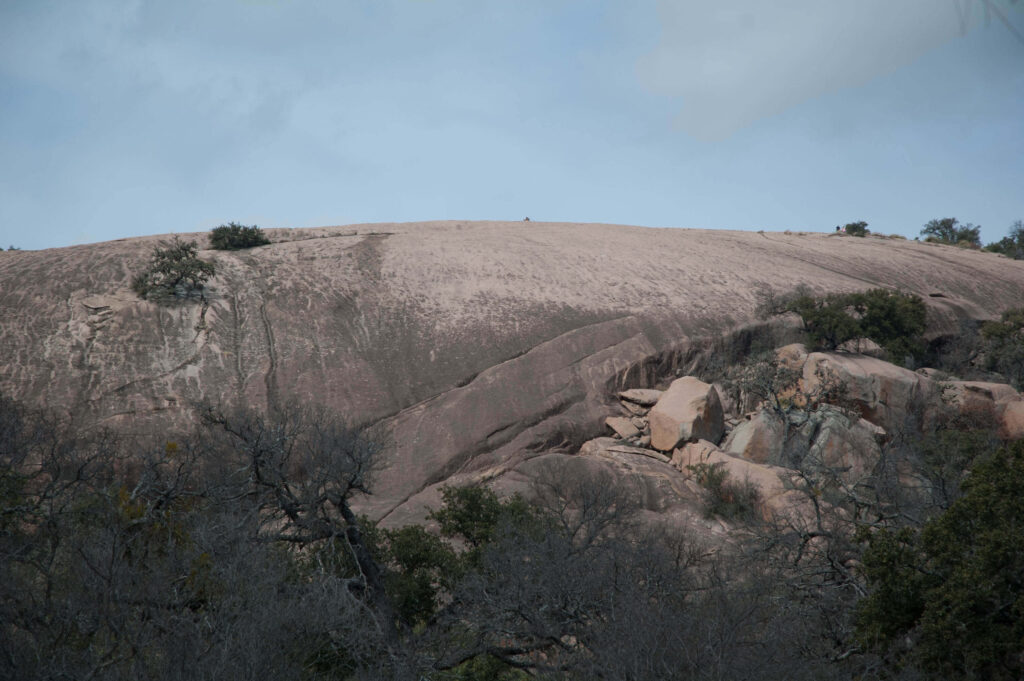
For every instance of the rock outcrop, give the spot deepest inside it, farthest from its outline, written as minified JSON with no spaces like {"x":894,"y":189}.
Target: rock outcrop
{"x":477,"y":347}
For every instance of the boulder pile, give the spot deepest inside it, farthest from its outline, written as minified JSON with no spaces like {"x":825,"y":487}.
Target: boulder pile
{"x":839,"y":416}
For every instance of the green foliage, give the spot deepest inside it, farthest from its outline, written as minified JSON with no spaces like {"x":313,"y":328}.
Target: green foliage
{"x":1004,"y":346}
{"x":1011,"y":246}
{"x":726,"y":498}
{"x":859,"y":228}
{"x":950,"y":231}
{"x":894,"y":320}
{"x":475,"y":515}
{"x":486,"y":668}
{"x":891,"y":567}
{"x":958,"y":586}
{"x":232,"y":237}
{"x":827,"y":321}
{"x":174,"y":269}
{"x":421,"y":567}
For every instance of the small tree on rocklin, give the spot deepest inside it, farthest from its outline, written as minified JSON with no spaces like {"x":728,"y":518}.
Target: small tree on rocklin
{"x":951,"y":231}
{"x":175,"y":269}
{"x":859,"y":228}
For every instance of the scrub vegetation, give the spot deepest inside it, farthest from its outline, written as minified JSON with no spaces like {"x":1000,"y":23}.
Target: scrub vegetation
{"x":234,"y":550}
{"x":233,"y":237}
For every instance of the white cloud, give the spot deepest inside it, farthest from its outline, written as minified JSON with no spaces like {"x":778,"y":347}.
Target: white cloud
{"x":737,"y":62}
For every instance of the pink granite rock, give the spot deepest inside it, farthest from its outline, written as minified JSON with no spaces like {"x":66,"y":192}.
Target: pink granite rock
{"x":688,"y":411}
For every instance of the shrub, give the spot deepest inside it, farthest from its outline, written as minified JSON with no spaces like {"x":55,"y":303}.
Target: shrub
{"x":174,"y":270}
{"x":1003,"y":346}
{"x":894,"y":320}
{"x":827,"y":321}
{"x":857,"y":228}
{"x":726,"y":498}
{"x":1011,"y":246}
{"x":950,"y":231}
{"x":232,"y":237}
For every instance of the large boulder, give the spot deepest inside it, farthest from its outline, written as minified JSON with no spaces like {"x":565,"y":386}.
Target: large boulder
{"x":844,"y":447}
{"x":889,"y":396}
{"x":1012,"y":421}
{"x":969,"y":393}
{"x":689,"y":410}
{"x":761,"y":438}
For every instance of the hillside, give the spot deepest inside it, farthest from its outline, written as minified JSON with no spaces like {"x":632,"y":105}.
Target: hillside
{"x":476,"y":345}
{"x":591,"y":452}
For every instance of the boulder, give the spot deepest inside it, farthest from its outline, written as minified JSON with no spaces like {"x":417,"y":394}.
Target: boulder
{"x":760,"y":438}
{"x":597,"y":445}
{"x":845,"y":449}
{"x":642,"y":396}
{"x":1012,"y":421}
{"x":792,"y":356}
{"x":894,"y":398}
{"x":979,"y":403}
{"x":998,"y":393}
{"x":730,"y":406}
{"x":634,"y":408}
{"x":622,"y":427}
{"x":689,"y":410}
{"x":862,"y":346}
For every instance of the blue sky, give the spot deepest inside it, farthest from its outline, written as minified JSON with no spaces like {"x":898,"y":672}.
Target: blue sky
{"x":129,"y":117}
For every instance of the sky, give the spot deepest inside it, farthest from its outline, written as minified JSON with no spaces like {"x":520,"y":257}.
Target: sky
{"x":125,"y":118}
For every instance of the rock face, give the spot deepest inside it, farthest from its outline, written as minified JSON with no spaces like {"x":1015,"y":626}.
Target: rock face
{"x":688,"y":411}
{"x":478,"y":347}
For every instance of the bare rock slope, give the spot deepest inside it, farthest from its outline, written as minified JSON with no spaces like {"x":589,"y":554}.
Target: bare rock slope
{"x":480,"y":346}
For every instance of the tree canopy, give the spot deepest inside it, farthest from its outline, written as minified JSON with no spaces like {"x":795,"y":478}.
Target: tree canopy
{"x":957,"y":586}
{"x":951,"y":231}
